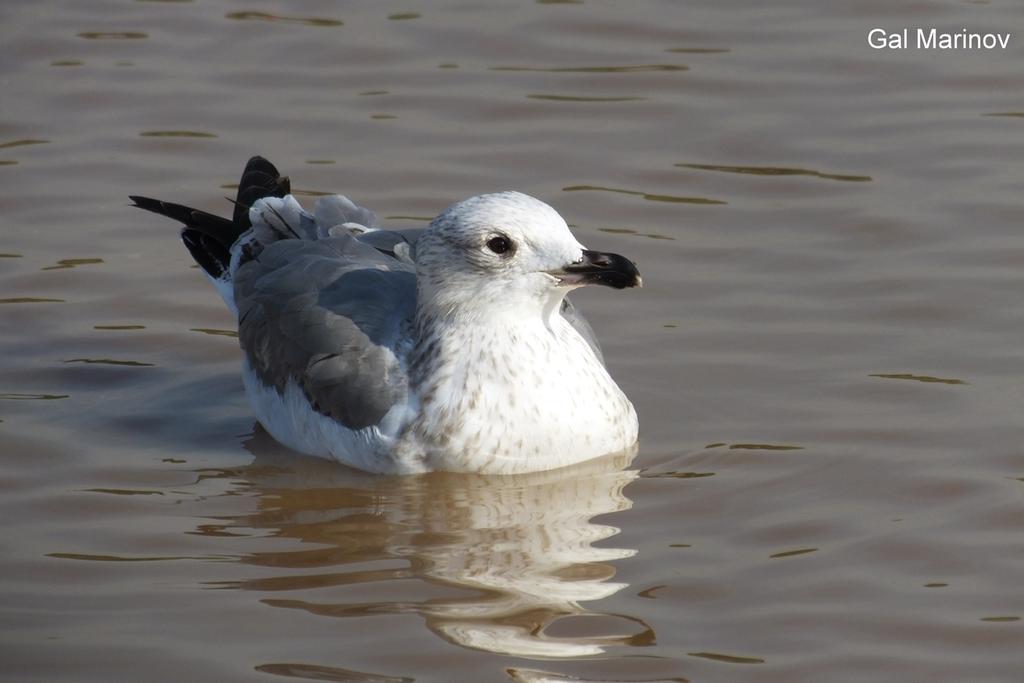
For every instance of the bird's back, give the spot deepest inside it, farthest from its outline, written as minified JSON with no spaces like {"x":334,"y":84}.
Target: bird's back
{"x":330,"y":315}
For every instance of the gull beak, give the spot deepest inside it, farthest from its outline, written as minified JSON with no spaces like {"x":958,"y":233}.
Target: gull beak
{"x":599,"y":268}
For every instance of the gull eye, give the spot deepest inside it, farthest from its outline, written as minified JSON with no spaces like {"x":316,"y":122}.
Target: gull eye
{"x":500,"y":245}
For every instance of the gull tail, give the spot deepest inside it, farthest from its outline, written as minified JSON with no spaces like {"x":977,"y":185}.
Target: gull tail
{"x":210,"y":238}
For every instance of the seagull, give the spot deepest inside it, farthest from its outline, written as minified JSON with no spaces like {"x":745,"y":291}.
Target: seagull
{"x":447,"y":348}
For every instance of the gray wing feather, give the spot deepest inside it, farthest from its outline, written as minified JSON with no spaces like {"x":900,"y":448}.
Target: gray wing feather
{"x":386,"y":240}
{"x":337,"y":214}
{"x":581,"y":325}
{"x":335,"y":210}
{"x":329,"y":314}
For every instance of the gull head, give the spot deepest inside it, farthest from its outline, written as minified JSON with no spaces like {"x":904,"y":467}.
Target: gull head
{"x":510,"y":248}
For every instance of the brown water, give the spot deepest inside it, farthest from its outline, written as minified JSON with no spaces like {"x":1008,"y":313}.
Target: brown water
{"x":826,"y":358}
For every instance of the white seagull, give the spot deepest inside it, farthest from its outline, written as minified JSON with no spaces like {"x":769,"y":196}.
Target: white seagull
{"x":398,"y":351}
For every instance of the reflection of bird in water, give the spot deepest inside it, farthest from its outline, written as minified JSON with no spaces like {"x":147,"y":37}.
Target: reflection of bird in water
{"x":517,"y":549}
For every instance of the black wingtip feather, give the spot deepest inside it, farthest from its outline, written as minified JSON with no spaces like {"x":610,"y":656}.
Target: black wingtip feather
{"x":259,"y":179}
{"x":209,"y":238}
{"x":208,"y":253}
{"x":220,"y":229}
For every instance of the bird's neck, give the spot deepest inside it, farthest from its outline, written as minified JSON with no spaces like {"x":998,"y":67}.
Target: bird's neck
{"x":487,"y":306}
{"x":461,"y":339}
{"x":457,"y":337}
{"x":501,"y":388}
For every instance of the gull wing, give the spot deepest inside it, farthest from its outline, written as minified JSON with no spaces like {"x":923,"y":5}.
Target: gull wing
{"x":330,"y":315}
{"x":580,"y":324}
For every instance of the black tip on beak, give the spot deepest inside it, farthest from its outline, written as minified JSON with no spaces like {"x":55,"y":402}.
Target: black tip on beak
{"x":600,"y":268}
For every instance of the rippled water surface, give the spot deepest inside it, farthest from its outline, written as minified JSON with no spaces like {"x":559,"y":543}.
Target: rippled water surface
{"x":826,"y":356}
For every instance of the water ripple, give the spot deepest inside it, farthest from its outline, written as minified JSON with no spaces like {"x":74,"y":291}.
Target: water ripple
{"x":776,"y":171}
{"x":125,"y":492}
{"x":113,"y":35}
{"x":215,"y":332}
{"x":65,"y":263}
{"x":31,"y":300}
{"x":266,"y":16}
{"x":646,"y":195}
{"x":175,"y":134}
{"x":728,"y":659}
{"x":22,"y":143}
{"x":697,"y":50}
{"x":111,"y":361}
{"x":31,"y":397}
{"x":918,"y":378}
{"x":636,"y":68}
{"x":315,"y":672}
{"x":88,"y":557}
{"x":581,"y":98}
{"x":793,"y":553}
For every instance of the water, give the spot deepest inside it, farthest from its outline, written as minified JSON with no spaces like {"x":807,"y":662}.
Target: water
{"x":826,"y":355}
